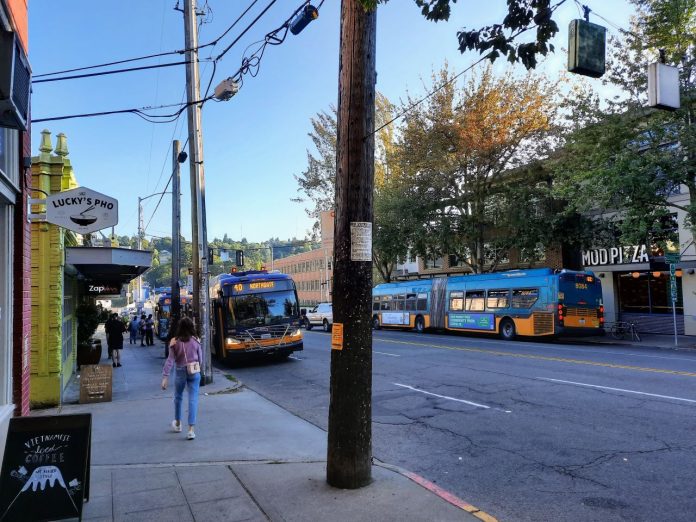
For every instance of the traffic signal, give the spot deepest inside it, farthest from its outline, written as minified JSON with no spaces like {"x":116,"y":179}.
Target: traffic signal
{"x":239,"y":257}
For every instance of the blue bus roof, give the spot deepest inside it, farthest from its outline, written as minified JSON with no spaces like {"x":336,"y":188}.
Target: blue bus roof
{"x":250,"y":275}
{"x":425,"y":284}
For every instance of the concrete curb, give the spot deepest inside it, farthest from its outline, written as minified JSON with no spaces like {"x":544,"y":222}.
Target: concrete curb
{"x":437,"y":490}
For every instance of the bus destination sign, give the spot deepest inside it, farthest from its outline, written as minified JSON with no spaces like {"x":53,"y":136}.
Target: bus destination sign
{"x":261,"y":286}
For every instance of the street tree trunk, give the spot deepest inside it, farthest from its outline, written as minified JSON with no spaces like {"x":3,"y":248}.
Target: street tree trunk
{"x":349,"y":457}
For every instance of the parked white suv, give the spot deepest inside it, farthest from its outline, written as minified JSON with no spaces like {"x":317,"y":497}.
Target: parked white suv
{"x":320,"y":315}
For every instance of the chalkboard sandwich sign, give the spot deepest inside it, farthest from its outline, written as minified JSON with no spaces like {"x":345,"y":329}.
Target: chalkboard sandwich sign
{"x":45,"y":470}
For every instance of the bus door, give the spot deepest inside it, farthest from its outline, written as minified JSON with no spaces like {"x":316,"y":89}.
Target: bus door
{"x":438,"y":300}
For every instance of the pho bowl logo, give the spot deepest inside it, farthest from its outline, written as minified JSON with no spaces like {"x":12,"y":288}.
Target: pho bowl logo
{"x":82,"y":210}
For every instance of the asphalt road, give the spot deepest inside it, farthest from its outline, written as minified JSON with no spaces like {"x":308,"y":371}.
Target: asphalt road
{"x":523,"y":430}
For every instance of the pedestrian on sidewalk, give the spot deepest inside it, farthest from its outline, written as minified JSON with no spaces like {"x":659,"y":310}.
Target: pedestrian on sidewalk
{"x":141,"y":329}
{"x":133,"y":328}
{"x":185,"y":355}
{"x":149,"y":331}
{"x":114,"y":329}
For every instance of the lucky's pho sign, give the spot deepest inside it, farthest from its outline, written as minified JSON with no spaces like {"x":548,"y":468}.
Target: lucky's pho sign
{"x":82,"y":210}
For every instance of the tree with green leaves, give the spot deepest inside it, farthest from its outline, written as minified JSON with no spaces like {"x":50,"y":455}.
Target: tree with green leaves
{"x":505,"y":38}
{"x":471,"y":183}
{"x":627,"y":161}
{"x":317,"y":184}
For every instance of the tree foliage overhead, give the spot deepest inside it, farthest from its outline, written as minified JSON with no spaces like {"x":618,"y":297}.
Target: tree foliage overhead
{"x":501,"y":39}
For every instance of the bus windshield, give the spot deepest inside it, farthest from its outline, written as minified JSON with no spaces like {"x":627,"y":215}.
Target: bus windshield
{"x":262,"y":309}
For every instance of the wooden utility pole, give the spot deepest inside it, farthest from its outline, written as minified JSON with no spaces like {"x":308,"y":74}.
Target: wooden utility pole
{"x":349,"y":459}
{"x":176,"y":234}
{"x":199,"y":235}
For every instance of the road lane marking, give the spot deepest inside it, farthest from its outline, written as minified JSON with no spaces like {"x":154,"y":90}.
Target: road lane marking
{"x":294,"y":357}
{"x":385,"y":353}
{"x":470,"y":403}
{"x":618,"y":389}
{"x":546,"y":358}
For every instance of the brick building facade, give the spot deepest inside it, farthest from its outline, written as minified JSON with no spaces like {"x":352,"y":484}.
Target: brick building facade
{"x":312,"y":271}
{"x":15,"y":145}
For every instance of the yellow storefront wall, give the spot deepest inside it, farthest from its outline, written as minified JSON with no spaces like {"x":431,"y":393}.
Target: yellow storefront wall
{"x":51,"y":173}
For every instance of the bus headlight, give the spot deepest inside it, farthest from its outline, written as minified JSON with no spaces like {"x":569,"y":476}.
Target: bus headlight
{"x":296,"y":333}
{"x":231,"y":341}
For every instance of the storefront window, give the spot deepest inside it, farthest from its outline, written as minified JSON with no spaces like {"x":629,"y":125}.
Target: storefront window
{"x":648,"y":293}
{"x":5,"y":303}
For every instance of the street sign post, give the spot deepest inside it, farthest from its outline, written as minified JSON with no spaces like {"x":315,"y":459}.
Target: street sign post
{"x":673,"y":259}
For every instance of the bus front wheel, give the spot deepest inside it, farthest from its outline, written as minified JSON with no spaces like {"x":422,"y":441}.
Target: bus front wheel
{"x":420,"y":324}
{"x":507,"y":329}
{"x":375,"y":322}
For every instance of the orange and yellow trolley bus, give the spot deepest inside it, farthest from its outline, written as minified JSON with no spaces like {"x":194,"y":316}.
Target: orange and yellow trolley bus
{"x":537,"y":302}
{"x":254,"y":313}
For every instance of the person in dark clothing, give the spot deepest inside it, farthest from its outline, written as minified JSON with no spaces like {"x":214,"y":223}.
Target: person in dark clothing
{"x":149,"y":331}
{"x":114,"y":328}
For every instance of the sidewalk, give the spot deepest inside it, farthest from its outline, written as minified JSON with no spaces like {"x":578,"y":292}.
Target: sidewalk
{"x":251,"y":460}
{"x":687,"y":342}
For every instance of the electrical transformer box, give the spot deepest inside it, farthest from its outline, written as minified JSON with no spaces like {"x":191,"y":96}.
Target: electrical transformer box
{"x":586,"y":48}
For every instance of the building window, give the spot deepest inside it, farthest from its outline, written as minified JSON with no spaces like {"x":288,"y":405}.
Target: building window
{"x":433,"y":262}
{"x":493,"y":254}
{"x":6,"y":290}
{"x":533,"y":254}
{"x":9,"y":161}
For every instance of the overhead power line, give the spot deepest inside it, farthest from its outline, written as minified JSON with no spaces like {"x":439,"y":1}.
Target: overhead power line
{"x":437,"y":89}
{"x":114,"y":71}
{"x":171,"y":176}
{"x":145,"y":57}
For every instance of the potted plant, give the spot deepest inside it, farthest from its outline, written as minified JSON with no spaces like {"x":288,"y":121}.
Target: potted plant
{"x":88,"y":351}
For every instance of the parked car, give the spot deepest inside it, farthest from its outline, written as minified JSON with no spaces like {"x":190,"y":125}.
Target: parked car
{"x":320,"y":315}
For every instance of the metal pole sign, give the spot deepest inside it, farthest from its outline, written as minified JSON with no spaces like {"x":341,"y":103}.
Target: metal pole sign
{"x":673,"y":293}
{"x":81,"y":210}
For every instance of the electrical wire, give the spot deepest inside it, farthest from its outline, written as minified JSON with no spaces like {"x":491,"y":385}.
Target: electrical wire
{"x":486,"y":56}
{"x":165,"y":189}
{"x":114,"y":71}
{"x":149,"y":56}
{"x":168,"y":118}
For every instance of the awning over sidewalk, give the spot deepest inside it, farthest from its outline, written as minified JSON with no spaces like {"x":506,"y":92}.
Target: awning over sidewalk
{"x":108,"y":266}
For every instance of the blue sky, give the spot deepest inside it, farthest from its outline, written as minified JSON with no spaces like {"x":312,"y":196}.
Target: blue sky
{"x":255,"y":143}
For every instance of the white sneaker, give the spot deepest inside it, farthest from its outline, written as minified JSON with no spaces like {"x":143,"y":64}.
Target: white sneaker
{"x":191,"y":435}
{"x":176,"y":428}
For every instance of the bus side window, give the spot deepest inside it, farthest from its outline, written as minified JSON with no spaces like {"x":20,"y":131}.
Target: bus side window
{"x":498,"y":299}
{"x":524,"y":297}
{"x":475,"y":300}
{"x":399,"y":302}
{"x":386,"y":301}
{"x":410,"y":302}
{"x":456,"y":301}
{"x":375,"y":304}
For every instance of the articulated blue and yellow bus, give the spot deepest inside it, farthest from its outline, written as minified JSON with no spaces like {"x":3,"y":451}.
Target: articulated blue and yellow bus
{"x":537,"y":302}
{"x":254,"y":313}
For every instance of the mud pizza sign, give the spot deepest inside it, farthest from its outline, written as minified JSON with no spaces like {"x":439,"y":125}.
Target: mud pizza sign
{"x":82,"y":210}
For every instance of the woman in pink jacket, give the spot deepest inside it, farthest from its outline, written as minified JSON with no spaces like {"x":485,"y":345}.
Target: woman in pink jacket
{"x":184,"y":352}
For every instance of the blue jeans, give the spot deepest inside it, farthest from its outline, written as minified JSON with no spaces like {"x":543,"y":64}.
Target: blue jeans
{"x":192,"y":382}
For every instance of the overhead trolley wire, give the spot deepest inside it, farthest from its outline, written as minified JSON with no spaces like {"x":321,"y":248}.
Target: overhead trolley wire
{"x":138,"y":58}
